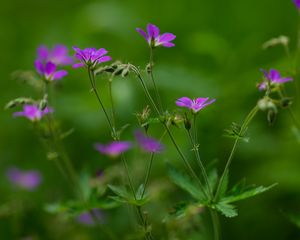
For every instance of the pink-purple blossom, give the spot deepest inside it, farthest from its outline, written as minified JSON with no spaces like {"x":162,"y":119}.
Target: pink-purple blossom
{"x":147,"y":143}
{"x":90,"y":56}
{"x":113,"y":149}
{"x":154,"y":39}
{"x":89,"y":218}
{"x":48,"y":70}
{"x":297,"y":3}
{"x":273,"y":77}
{"x":32,"y":112}
{"x":28,"y":180}
{"x":58,"y":55}
{"x":194,"y":104}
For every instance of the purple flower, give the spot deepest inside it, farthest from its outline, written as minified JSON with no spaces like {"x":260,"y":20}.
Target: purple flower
{"x":274,"y":77}
{"x":90,"y":56}
{"x":58,"y":55}
{"x":297,"y":3}
{"x":48,"y":70}
{"x":29,"y":180}
{"x":154,"y":39}
{"x":113,"y":149}
{"x":148,"y":144}
{"x":88,"y":218}
{"x":194,"y":104}
{"x":32,"y":112}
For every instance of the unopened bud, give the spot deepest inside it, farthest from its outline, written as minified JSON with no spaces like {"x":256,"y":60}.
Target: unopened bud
{"x":286,"y":102}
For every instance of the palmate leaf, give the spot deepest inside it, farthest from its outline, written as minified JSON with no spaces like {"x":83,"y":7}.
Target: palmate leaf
{"x":125,"y":196}
{"x":226,"y":209}
{"x":185,"y":183}
{"x":240,"y":191}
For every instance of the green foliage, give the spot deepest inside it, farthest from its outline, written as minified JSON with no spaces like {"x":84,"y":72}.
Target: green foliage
{"x":124,"y":195}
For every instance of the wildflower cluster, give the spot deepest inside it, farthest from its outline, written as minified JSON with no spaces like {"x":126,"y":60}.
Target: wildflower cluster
{"x":94,"y":197}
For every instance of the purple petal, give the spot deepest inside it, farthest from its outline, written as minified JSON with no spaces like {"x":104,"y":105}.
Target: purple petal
{"x":78,"y":65}
{"x":184,"y":102}
{"x":283,"y":80}
{"x":168,"y":44}
{"x":39,"y":67}
{"x":142,"y":32}
{"x":297,"y":3}
{"x":113,"y":149}
{"x":266,"y":74}
{"x":25,"y":179}
{"x":104,"y":59}
{"x":42,"y":52}
{"x":262,"y":86}
{"x":148,"y":144}
{"x":208,"y":103}
{"x":59,"y":74}
{"x":166,"y":37}
{"x":274,"y":74}
{"x":50,"y":68}
{"x":153,"y":31}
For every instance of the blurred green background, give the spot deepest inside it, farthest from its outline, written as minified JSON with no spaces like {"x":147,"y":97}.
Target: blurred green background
{"x":218,"y":54}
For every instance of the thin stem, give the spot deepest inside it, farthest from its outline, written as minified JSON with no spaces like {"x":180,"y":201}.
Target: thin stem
{"x":200,"y":164}
{"x":296,"y":122}
{"x":215,"y":223}
{"x":153,"y":81}
{"x":147,"y":174}
{"x":228,"y":163}
{"x":113,"y":112}
{"x":187,"y":164}
{"x":92,"y":80}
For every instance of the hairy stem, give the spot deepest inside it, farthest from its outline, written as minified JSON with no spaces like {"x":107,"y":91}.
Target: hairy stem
{"x":244,"y":126}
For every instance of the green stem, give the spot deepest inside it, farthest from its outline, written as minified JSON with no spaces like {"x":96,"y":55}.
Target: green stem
{"x":228,"y":163}
{"x":113,"y":112}
{"x":147,"y":174}
{"x":200,"y":164}
{"x":153,"y":81}
{"x":92,"y":80}
{"x":215,"y":223}
{"x":187,"y":164}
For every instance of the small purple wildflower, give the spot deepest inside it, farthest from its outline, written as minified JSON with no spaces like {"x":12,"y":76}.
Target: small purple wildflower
{"x":32,"y":112}
{"x":28,"y":180}
{"x":113,"y":149}
{"x":297,"y":3}
{"x":90,"y":56}
{"x":194,"y":104}
{"x":154,"y":39}
{"x":48,"y":70}
{"x":86,"y":218}
{"x":58,"y":55}
{"x":274,"y":77}
{"x":148,"y":144}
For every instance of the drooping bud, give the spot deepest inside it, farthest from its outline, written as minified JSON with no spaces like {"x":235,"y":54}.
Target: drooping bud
{"x":286,"y":102}
{"x":43,"y":103}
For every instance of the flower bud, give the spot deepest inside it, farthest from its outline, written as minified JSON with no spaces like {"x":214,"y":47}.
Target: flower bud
{"x":286,"y":102}
{"x":271,"y":116}
{"x":265,"y":104}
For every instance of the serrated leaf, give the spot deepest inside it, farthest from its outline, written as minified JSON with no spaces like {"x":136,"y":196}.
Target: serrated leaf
{"x":226,"y":209}
{"x":213,"y":179}
{"x":240,"y":192}
{"x":119,"y":191}
{"x":184,"y":182}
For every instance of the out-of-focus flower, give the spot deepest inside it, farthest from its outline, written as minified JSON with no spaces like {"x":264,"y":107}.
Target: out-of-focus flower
{"x":57,"y":55}
{"x":48,"y":70}
{"x":194,"y":104}
{"x":148,"y":144}
{"x":113,"y":149}
{"x":153,"y":37}
{"x":32,"y":112}
{"x":297,"y":3}
{"x":29,"y":180}
{"x":90,"y":56}
{"x":89,"y":218}
{"x":274,"y":78}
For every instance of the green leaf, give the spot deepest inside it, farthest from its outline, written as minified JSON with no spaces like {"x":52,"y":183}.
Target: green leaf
{"x":213,"y":178}
{"x":224,"y":186}
{"x":226,"y":209}
{"x":240,"y":192}
{"x":123,"y":196}
{"x":184,"y":182}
